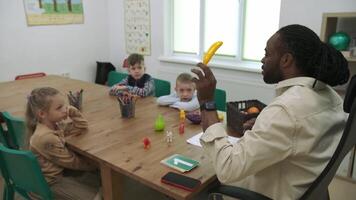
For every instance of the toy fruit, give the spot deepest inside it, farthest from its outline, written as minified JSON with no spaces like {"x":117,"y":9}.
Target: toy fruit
{"x":194,"y":118}
{"x":252,"y":110}
{"x":213,"y":48}
{"x":159,"y":123}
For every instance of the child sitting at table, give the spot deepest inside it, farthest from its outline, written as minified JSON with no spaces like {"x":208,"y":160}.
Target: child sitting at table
{"x":137,"y":82}
{"x":45,"y":114}
{"x":184,"y":96}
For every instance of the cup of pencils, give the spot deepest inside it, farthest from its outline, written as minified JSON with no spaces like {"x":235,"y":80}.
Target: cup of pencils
{"x":127,"y":103}
{"x":75,"y":99}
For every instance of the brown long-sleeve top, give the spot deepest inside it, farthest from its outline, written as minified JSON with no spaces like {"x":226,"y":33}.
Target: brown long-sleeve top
{"x":49,"y":146}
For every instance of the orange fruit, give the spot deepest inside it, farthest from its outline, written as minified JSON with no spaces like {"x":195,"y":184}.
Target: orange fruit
{"x":253,"y":109}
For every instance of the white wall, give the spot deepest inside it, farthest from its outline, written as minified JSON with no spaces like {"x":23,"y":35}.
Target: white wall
{"x":309,"y":12}
{"x":52,"y":49}
{"x":75,"y":48}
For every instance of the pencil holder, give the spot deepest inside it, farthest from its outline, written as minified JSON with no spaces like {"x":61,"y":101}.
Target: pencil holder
{"x":76,"y":99}
{"x":127,"y":109}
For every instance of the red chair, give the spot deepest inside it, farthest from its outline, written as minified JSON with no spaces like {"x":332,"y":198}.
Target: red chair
{"x":26,"y":76}
{"x":125,"y":64}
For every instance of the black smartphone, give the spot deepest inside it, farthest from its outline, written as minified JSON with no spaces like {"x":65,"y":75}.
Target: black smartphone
{"x":181,"y":181}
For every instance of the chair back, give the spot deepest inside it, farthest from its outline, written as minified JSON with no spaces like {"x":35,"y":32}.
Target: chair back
{"x":319,"y":188}
{"x":162,"y":87}
{"x":115,"y":77}
{"x":16,"y":131}
{"x":23,"y":173}
{"x":3,"y":135}
{"x":220,"y":99}
{"x":27,"y":76}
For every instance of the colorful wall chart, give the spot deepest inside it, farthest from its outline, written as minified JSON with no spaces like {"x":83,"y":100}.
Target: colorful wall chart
{"x":137,"y":26}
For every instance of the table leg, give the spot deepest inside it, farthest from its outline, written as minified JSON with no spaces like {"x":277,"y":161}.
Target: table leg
{"x":111,"y":183}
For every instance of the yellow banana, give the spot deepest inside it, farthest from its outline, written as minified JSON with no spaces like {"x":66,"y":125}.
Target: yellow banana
{"x":211,"y":51}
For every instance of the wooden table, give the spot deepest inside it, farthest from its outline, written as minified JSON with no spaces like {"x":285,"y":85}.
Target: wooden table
{"x":116,"y":143}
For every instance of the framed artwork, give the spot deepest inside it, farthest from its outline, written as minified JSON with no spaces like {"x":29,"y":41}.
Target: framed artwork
{"x":53,"y":12}
{"x":137,"y":26}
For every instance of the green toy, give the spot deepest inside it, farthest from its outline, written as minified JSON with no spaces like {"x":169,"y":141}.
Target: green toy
{"x":159,"y":123}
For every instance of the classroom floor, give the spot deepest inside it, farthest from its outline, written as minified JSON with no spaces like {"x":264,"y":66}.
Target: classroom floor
{"x":134,"y":190}
{"x":339,"y":189}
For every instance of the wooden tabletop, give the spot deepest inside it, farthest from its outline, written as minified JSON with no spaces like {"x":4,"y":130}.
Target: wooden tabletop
{"x":117,"y":143}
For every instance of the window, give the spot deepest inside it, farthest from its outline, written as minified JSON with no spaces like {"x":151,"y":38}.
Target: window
{"x":243,"y":25}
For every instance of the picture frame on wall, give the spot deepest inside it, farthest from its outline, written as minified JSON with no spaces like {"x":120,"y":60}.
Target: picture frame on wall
{"x":53,"y":12}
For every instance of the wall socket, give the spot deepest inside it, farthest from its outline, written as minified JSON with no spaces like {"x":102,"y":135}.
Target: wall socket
{"x":66,"y":74}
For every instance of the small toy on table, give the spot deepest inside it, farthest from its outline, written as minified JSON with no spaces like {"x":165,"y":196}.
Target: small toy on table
{"x":146,"y":143}
{"x":159,"y":123}
{"x":194,"y":117}
{"x":169,"y":137}
{"x":181,"y":121}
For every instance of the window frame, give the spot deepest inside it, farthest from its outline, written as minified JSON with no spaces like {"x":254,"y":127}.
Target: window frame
{"x":232,"y":63}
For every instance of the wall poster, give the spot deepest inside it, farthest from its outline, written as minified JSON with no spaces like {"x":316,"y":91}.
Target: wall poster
{"x":137,"y":26}
{"x":53,"y":12}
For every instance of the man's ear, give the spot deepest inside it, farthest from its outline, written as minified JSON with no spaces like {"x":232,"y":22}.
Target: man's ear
{"x":286,"y":60}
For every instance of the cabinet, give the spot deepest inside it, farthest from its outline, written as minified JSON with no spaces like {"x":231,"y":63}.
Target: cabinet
{"x":346,"y":22}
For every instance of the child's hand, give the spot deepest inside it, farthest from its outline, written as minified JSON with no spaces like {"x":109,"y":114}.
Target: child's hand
{"x":72,"y":111}
{"x":119,"y":87}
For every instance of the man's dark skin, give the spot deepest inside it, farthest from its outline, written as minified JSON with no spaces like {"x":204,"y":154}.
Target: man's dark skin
{"x":278,"y":65}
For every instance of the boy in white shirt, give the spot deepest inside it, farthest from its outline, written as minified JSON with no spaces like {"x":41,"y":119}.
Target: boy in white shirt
{"x":184,"y":96}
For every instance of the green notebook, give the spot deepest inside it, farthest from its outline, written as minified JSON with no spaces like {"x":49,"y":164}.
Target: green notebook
{"x":180,"y":163}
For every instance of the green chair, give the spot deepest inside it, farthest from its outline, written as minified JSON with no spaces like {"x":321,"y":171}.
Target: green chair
{"x":16,"y":131}
{"x":220,"y":99}
{"x":22,"y":174}
{"x":162,"y":87}
{"x":115,"y":77}
{"x":3,"y":136}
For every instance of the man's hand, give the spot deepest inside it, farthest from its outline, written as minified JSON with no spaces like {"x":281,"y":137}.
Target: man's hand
{"x":205,"y":83}
{"x":249,"y":124}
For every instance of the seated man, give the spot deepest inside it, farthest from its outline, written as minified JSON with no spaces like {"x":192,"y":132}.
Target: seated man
{"x":295,"y":136}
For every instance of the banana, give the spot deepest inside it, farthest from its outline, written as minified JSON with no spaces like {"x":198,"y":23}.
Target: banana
{"x":211,"y":51}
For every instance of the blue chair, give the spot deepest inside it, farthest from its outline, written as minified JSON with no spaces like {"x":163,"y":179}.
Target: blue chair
{"x":220,"y":99}
{"x":162,"y":87}
{"x":22,"y":174}
{"x":115,"y":77}
{"x":16,"y":131}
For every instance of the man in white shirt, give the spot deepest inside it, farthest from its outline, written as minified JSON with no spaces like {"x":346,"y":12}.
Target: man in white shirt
{"x":294,"y":137}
